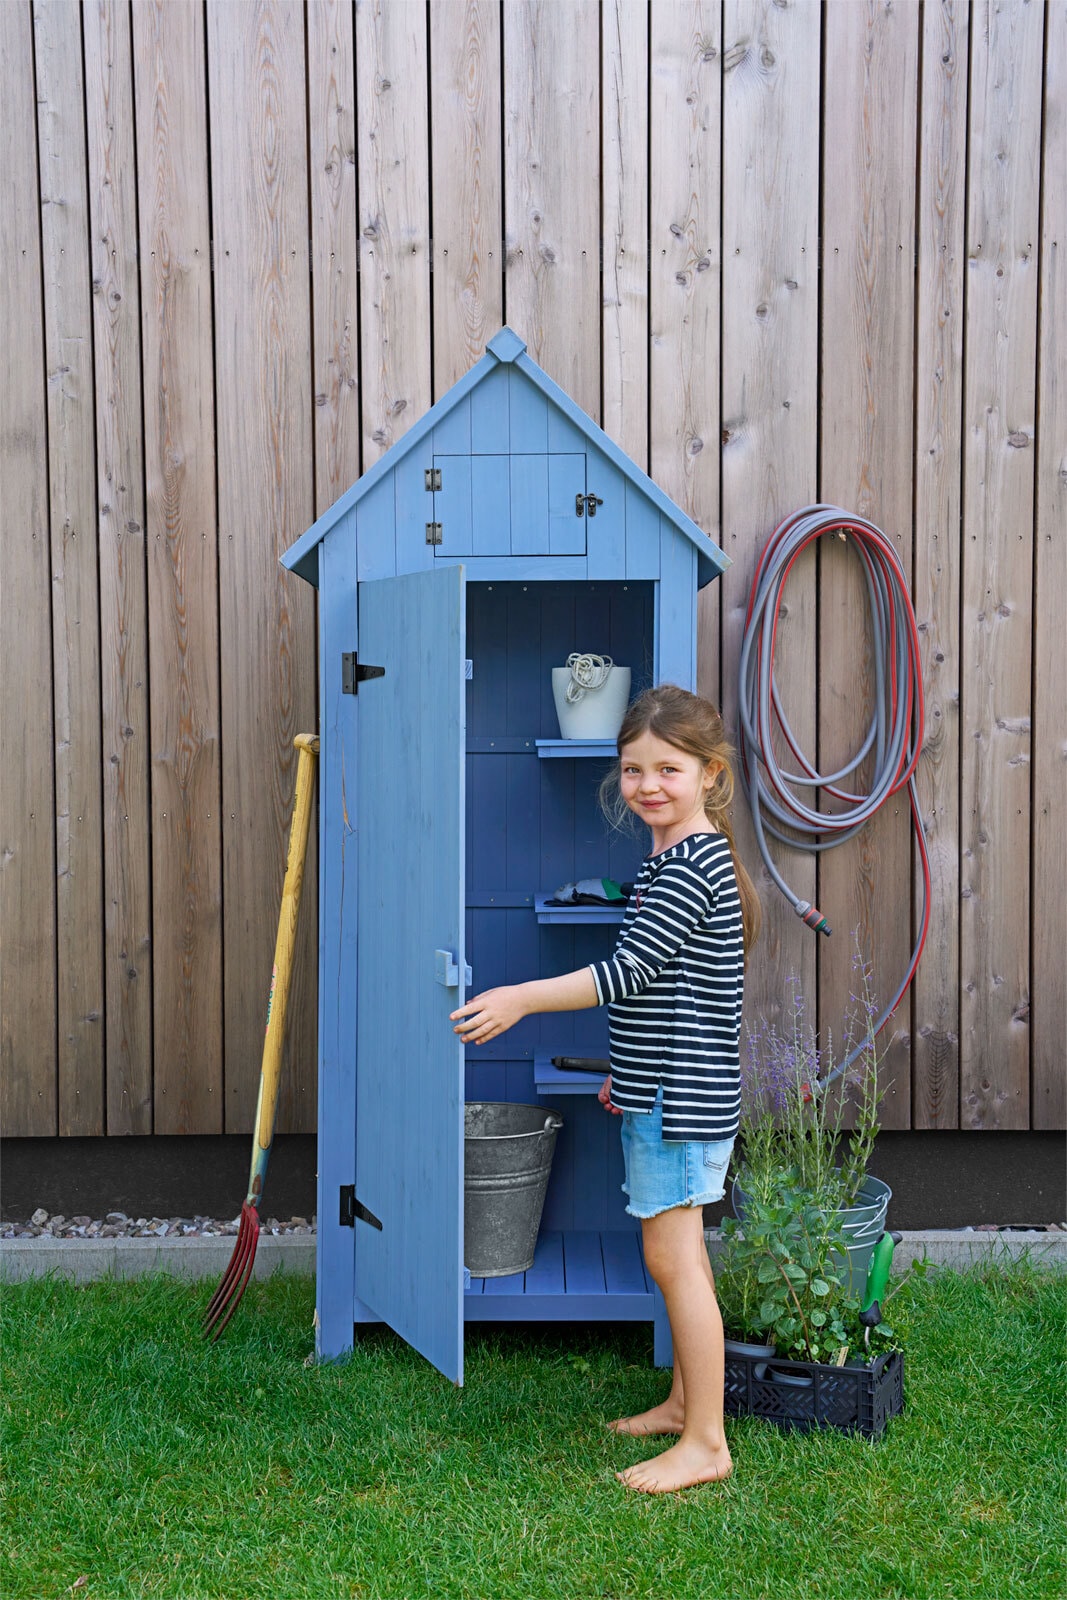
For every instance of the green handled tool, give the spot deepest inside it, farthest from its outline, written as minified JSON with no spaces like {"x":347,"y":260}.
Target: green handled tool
{"x":877,"y":1280}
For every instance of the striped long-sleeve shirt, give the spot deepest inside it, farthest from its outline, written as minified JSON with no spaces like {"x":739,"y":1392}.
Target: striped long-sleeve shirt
{"x":673,"y":989}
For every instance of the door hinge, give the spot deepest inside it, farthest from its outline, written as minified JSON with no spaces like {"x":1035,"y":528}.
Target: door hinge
{"x":353,"y":672}
{"x":433,"y":533}
{"x":353,"y":1210}
{"x":586,"y":502}
{"x":432,"y":477}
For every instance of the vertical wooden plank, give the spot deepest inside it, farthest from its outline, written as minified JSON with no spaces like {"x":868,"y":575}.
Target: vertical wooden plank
{"x":335,"y":1256}
{"x":175,"y":236}
{"x":334,"y":247}
{"x":28,"y":1102}
{"x":260,"y":215}
{"x":685,"y":270}
{"x":468,"y":224}
{"x":870,"y":132}
{"x":998,"y":506}
{"x":939,"y":417}
{"x":393,"y":159}
{"x":552,"y":189}
{"x":109,"y":109}
{"x":75,"y":603}
{"x":624,"y":186}
{"x":770,"y":287}
{"x":1049,"y":998}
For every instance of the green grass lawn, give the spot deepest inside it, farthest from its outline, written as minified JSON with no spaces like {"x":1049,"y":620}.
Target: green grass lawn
{"x":139,"y":1461}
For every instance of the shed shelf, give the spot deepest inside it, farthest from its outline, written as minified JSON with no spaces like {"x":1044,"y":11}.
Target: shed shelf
{"x":550,"y":1079}
{"x":579,"y":914}
{"x":568,"y":748}
{"x":576,"y":1275}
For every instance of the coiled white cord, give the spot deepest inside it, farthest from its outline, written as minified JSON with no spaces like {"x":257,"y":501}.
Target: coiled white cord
{"x":587,"y":672}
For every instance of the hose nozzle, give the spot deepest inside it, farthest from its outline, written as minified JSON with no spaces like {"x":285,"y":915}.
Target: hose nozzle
{"x":811,"y":917}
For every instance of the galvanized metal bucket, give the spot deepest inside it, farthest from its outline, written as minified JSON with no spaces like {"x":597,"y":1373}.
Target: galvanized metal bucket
{"x":507,"y":1159}
{"x":863,"y":1224}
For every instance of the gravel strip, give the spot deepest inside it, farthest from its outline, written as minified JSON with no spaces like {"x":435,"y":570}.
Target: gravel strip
{"x":117,"y":1225}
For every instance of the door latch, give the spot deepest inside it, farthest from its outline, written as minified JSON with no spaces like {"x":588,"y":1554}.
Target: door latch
{"x":586,"y":503}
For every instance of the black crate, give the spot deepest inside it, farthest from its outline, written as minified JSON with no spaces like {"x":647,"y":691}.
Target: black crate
{"x":853,"y":1398}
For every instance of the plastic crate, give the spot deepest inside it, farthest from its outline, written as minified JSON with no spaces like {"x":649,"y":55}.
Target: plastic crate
{"x":807,"y":1394}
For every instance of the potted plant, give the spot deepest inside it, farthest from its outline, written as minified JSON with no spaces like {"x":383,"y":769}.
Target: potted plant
{"x":793,"y":1265}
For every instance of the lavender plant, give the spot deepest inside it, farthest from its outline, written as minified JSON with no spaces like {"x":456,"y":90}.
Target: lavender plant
{"x":783,"y":1273}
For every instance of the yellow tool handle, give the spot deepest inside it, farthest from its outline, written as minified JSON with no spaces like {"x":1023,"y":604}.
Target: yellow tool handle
{"x":308,"y":746}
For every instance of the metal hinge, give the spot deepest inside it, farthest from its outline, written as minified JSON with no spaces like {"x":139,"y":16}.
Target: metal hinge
{"x":353,"y":672}
{"x":353,"y":1210}
{"x":432,"y":476}
{"x":433,"y":533}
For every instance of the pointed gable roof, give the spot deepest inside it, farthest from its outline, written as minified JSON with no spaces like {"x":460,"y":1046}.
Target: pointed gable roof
{"x":505,"y":347}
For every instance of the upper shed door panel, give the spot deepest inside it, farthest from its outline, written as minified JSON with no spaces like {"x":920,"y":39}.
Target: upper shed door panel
{"x":409,"y":821}
{"x":522,"y":504}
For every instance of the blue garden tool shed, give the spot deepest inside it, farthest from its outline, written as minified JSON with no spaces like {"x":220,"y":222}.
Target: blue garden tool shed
{"x":504,"y":531}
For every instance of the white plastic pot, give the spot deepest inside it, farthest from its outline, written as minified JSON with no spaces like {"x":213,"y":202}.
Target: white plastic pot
{"x":599,"y":712}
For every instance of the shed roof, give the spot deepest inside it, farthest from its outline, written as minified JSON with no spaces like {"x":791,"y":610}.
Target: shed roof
{"x":505,"y":347}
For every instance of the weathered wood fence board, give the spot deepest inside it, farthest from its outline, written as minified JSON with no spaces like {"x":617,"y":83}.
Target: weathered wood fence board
{"x":183,"y":598}
{"x":735,"y":231}
{"x":770,"y":328}
{"x":127,"y":933}
{"x":75,"y":600}
{"x":998,"y":505}
{"x":334,"y":249}
{"x":28,"y":1047}
{"x":259,"y":185}
{"x":685,"y":271}
{"x":1049,"y":790}
{"x":468,"y":222}
{"x":936,"y":578}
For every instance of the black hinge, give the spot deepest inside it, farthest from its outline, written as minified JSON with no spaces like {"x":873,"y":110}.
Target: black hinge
{"x":353,"y":672}
{"x":353,"y":1210}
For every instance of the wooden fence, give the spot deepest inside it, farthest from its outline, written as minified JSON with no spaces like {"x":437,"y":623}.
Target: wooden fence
{"x":783,"y":252}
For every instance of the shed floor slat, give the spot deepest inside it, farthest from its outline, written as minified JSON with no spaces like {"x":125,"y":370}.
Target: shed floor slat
{"x":577,"y":1274}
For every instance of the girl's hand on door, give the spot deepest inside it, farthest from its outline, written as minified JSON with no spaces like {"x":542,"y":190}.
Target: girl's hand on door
{"x":489,"y":1014}
{"x":604,"y":1096}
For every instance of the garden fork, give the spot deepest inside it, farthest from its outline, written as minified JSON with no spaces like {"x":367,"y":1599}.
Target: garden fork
{"x":227,"y":1296}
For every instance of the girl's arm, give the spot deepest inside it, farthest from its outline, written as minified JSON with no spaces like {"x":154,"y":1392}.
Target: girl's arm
{"x":497,"y":1010}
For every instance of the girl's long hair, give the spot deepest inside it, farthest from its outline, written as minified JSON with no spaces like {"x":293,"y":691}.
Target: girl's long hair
{"x":690,"y":723}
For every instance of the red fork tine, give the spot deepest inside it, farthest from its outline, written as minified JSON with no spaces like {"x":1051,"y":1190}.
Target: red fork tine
{"x":227,"y":1296}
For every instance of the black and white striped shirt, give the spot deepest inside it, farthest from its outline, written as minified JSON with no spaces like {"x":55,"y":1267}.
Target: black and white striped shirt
{"x":673,"y":990}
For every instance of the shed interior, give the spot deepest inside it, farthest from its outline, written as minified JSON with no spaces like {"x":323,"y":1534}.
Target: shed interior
{"x":533,"y":823}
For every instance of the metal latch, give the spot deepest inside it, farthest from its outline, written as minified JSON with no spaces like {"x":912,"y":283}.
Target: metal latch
{"x":353,"y":1210}
{"x":586,"y":502}
{"x":432,"y":478}
{"x":353,"y":672}
{"x":433,"y":533}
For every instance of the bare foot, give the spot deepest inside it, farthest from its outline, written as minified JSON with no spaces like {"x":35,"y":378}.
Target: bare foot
{"x":666,"y":1418}
{"x":680,"y":1467}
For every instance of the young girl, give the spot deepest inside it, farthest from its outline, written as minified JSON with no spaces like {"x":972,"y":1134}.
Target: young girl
{"x":673,"y":990}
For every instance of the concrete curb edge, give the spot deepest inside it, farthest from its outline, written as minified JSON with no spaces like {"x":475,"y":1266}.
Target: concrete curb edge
{"x":83,"y":1260}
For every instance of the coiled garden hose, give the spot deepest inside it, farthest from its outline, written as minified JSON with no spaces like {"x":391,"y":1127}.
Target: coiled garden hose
{"x":894,"y":736}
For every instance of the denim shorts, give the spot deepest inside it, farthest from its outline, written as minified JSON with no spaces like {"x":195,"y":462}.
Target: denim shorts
{"x":664,"y":1173}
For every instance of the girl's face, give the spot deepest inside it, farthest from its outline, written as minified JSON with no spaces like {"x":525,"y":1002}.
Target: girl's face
{"x":665,"y":787}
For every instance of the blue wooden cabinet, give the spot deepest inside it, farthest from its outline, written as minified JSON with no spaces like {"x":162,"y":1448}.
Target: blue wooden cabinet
{"x":502,"y":532}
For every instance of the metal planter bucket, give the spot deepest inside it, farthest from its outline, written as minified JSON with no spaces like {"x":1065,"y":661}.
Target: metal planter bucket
{"x":507,"y":1159}
{"x":864,"y":1224}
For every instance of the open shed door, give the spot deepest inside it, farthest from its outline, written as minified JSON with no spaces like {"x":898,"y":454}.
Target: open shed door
{"x":409,"y":1093}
